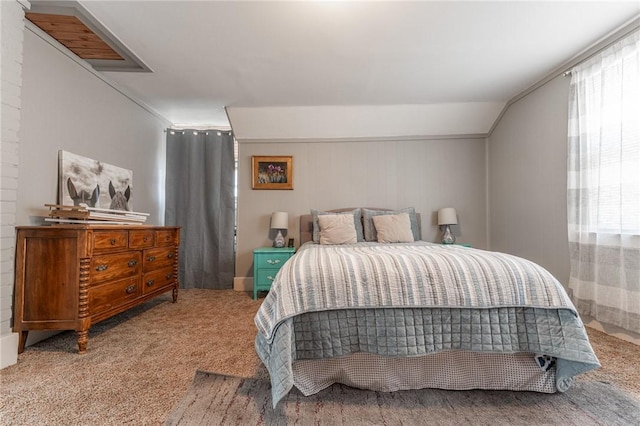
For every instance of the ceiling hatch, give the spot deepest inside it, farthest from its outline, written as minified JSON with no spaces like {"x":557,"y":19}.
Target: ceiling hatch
{"x":75,"y":28}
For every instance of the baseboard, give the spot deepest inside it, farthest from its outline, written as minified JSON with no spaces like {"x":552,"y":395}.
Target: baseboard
{"x":243,"y":283}
{"x":612,"y":330}
{"x":8,"y":349}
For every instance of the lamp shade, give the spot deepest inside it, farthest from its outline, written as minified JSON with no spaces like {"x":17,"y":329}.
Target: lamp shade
{"x":279,"y":220}
{"x":447,"y":216}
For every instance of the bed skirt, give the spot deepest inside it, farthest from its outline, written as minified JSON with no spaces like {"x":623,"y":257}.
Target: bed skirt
{"x":453,"y":370}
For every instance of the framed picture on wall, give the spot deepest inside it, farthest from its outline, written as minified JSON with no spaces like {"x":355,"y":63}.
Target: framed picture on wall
{"x":272,"y":172}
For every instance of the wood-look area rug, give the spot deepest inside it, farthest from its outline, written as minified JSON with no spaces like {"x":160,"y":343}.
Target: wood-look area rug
{"x":214,"y":399}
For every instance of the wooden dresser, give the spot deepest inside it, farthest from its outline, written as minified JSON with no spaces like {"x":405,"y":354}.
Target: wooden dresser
{"x":69,"y":277}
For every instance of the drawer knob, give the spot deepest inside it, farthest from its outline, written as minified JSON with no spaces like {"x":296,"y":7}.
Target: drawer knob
{"x":170,"y":255}
{"x":132,"y":263}
{"x":130,"y":289}
{"x":273,"y":262}
{"x":151,"y":258}
{"x":270,"y":278}
{"x":144,"y":239}
{"x":101,"y":268}
{"x":112,"y":241}
{"x":150,"y":283}
{"x":168,"y":276}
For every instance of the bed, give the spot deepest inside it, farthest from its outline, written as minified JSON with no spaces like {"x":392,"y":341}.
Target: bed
{"x":374,"y":307}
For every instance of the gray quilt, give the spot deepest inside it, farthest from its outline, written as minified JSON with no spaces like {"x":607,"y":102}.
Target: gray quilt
{"x":414,"y":299}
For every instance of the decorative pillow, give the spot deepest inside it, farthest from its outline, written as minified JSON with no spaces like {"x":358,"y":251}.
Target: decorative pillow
{"x":337,"y":229}
{"x":357,"y":222}
{"x":370,"y":229}
{"x":393,"y":228}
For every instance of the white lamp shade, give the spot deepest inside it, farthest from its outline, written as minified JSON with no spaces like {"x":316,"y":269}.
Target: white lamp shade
{"x":447,"y":216}
{"x":279,"y":220}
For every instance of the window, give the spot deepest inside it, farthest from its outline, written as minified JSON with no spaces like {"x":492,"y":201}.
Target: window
{"x":604,"y":185}
{"x":604,"y":143}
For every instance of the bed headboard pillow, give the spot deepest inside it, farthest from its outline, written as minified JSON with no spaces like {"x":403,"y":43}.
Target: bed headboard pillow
{"x":370,"y":233}
{"x":306,"y":223}
{"x":337,"y":229}
{"x":393,"y":228}
{"x":357,"y":222}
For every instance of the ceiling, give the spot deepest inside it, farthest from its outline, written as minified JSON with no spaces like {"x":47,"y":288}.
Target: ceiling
{"x":208,"y":55}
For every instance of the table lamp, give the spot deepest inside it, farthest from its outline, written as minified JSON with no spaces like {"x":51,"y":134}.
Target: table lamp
{"x":279,"y":221}
{"x":447,"y":217}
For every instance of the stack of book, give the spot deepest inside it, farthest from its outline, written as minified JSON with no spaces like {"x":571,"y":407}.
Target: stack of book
{"x":82,"y":214}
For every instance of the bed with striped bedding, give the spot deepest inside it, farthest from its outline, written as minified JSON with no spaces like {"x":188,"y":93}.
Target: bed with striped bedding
{"x":405,"y":302}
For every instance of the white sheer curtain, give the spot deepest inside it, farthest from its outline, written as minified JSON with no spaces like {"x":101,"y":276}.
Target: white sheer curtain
{"x":604,"y":184}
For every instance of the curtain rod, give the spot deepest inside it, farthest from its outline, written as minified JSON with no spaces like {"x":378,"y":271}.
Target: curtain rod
{"x":196,"y":131}
{"x":623,"y":32}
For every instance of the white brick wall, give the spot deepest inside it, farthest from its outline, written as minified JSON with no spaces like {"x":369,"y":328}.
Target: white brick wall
{"x":11,"y":39}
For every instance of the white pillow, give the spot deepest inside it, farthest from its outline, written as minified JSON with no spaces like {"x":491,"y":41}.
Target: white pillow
{"x":337,"y":229}
{"x":393,"y":228}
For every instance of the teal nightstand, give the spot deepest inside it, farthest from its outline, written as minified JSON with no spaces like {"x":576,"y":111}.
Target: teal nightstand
{"x":459,"y":244}
{"x":267,"y":261}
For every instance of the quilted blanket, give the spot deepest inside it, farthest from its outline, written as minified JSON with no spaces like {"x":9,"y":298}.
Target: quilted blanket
{"x":427,"y":276}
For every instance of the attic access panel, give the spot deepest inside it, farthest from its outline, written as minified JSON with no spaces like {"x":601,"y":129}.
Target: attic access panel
{"x":74,"y":35}
{"x":71,"y":25}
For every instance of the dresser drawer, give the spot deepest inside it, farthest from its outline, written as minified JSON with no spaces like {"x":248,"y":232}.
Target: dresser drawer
{"x":112,"y":266}
{"x":155,"y":280}
{"x":271,"y":260}
{"x":141,"y":238}
{"x":110,"y":239}
{"x":157,"y":258}
{"x":113,"y":294}
{"x":166,"y":237}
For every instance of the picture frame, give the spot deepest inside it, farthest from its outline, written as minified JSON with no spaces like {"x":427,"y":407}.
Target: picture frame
{"x":94,"y":183}
{"x":272,"y":172}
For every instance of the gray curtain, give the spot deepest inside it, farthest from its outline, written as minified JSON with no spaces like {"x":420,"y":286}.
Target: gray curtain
{"x":200,"y":199}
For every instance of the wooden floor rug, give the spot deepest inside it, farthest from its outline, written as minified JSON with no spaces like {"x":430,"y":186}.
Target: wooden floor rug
{"x":214,"y":399}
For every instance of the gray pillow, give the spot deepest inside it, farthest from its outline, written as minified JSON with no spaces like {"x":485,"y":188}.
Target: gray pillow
{"x":357,"y":222}
{"x":370,"y":233}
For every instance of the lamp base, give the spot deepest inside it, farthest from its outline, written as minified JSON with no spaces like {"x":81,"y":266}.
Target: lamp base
{"x":447,"y":236}
{"x":279,"y":241}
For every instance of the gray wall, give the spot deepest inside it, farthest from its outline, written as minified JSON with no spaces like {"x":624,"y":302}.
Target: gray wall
{"x":65,"y":106}
{"x":528,"y":178}
{"x":425,"y":174}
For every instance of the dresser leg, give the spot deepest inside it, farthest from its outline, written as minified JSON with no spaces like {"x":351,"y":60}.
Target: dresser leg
{"x":22,"y":339}
{"x":83,"y":339}
{"x":175,"y":294}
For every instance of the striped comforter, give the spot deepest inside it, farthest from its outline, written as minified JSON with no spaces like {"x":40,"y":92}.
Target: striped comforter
{"x":418,"y":274}
{"x":324,"y":278}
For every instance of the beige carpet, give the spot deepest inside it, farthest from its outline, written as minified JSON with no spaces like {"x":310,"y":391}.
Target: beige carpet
{"x":141,"y":363}
{"x":214,"y":399}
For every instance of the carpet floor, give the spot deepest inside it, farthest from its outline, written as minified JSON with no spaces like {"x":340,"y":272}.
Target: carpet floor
{"x":140,"y":363}
{"x":214,"y":399}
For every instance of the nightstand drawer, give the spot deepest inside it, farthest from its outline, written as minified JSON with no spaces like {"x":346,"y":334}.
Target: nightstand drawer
{"x":271,"y":260}
{"x":265,"y":277}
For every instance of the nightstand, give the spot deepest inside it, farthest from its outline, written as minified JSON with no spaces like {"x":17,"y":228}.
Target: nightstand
{"x":459,"y":244}
{"x":267,"y":261}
